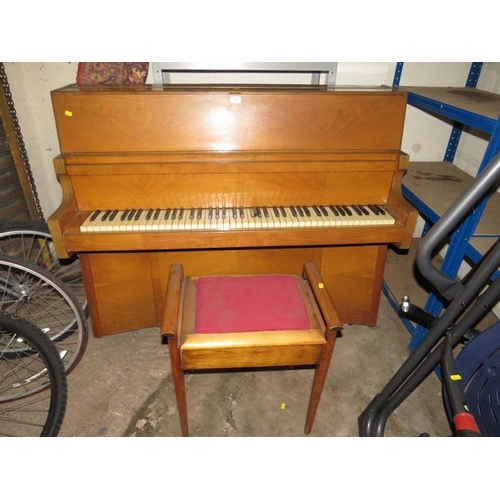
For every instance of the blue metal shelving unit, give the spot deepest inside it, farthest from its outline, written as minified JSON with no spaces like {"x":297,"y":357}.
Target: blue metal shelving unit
{"x":459,"y":246}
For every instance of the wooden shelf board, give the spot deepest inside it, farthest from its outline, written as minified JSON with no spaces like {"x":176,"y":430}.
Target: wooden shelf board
{"x":475,"y":101}
{"x":482,"y":245}
{"x":439,"y":184}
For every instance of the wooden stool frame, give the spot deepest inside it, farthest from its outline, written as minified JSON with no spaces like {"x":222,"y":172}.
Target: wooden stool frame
{"x":265,"y":349}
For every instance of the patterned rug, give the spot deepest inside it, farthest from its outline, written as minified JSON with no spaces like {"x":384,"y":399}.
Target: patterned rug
{"x":115,"y":73}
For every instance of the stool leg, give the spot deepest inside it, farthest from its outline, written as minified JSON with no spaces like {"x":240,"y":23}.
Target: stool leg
{"x":319,"y":381}
{"x":178,"y":377}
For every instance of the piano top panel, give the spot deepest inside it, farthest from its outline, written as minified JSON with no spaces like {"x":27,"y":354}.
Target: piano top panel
{"x":100,"y":119}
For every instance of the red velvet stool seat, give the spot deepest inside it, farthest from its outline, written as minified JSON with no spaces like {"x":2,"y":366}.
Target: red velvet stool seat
{"x":219,"y":322}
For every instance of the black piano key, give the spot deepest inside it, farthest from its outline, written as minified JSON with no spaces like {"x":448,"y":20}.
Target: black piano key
{"x":255,"y":212}
{"x":106,"y":215}
{"x":167,"y":214}
{"x":294,"y":212}
{"x":223,"y":212}
{"x":363,"y":210}
{"x":300,"y":211}
{"x":131,"y":214}
{"x":174,"y":214}
{"x":149,"y":214}
{"x":191,"y":213}
{"x":124,"y":215}
{"x":235,"y":213}
{"x":283,"y":211}
{"x":266,"y":213}
{"x":380,"y":209}
{"x":157,"y":214}
{"x":276,"y":211}
{"x":95,"y":215}
{"x":307,"y":211}
{"x":216,"y":212}
{"x":138,"y":214}
{"x":334,"y":210}
{"x":199,"y":214}
{"x":210,"y":213}
{"x":181,"y":213}
{"x":242,"y":213}
{"x":323,"y":210}
{"x":317,"y":211}
{"x":357,"y":210}
{"x":113,"y":215}
{"x":373,"y":209}
{"x":341,"y":210}
{"x":347,"y":210}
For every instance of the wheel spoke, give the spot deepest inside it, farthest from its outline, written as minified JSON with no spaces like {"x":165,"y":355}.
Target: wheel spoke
{"x":33,"y":385}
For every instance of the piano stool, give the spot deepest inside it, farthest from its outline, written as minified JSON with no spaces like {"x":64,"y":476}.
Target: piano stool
{"x":124,"y":387}
{"x":251,"y":321}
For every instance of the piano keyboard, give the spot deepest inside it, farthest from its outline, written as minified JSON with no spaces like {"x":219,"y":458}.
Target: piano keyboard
{"x":235,"y":218}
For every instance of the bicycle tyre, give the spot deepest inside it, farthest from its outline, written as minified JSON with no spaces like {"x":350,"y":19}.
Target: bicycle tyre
{"x":31,"y":240}
{"x":33,"y":389}
{"x":35,"y":294}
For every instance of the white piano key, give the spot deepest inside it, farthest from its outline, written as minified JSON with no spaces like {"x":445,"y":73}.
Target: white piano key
{"x":266,"y":221}
{"x":84,"y":227}
{"x":191,"y":220}
{"x":115,"y":223}
{"x":152,"y":223}
{"x":139,"y":223}
{"x":134,"y":222}
{"x":167,"y":219}
{"x":107,"y":225}
{"x":246,"y":217}
{"x":356,"y":220}
{"x":238,"y":221}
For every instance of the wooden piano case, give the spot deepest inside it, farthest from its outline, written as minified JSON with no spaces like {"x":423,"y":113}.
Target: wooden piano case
{"x":192,"y":146}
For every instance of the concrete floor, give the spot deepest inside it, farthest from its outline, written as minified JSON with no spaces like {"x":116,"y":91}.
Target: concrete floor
{"x":123,"y":387}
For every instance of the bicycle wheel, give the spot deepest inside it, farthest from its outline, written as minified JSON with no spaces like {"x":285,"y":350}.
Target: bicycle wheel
{"x":31,"y":240}
{"x":39,"y":297}
{"x":33,"y":385}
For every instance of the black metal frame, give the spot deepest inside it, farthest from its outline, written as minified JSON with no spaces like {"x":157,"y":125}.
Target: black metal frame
{"x":460,"y":316}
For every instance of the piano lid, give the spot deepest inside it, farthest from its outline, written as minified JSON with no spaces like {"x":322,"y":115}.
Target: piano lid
{"x":224,"y":88}
{"x":106,"y":118}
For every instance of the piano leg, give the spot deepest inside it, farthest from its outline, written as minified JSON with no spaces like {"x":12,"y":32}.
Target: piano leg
{"x":119,"y":292}
{"x":353,"y":276}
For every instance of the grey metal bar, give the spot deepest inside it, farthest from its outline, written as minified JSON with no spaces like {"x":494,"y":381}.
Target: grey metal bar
{"x":161,"y":70}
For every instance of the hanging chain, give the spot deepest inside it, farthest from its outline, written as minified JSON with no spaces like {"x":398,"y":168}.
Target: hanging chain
{"x":19,"y":137}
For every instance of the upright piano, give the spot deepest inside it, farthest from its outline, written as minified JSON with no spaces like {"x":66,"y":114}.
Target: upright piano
{"x":228,"y":180}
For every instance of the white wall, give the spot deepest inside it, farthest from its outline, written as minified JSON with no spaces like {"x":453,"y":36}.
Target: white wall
{"x":425,"y":138}
{"x":30,"y":85}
